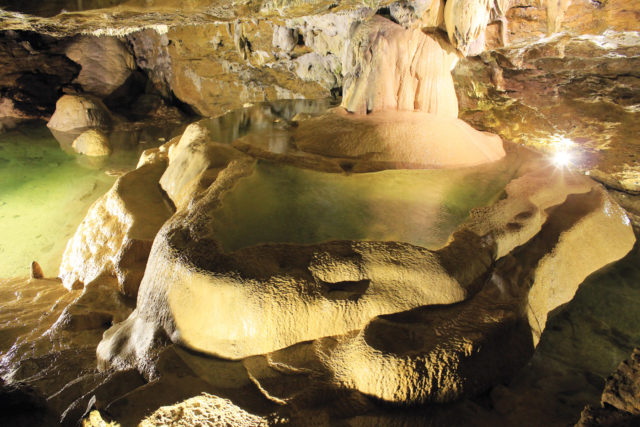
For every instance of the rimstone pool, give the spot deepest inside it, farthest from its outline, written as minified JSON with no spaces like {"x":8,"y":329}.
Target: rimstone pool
{"x":280,"y":204}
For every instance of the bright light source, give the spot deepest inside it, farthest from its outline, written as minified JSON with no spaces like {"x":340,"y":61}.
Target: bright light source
{"x":562,"y":156}
{"x":562,"y":159}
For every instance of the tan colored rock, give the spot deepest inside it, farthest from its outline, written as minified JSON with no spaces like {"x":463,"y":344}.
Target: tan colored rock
{"x":401,"y":137}
{"x":194,"y":162}
{"x":594,"y":231}
{"x":391,"y":68}
{"x":202,"y":410}
{"x":439,"y":354}
{"x":466,"y":22}
{"x":218,"y":66}
{"x":420,"y":13}
{"x":106,"y":64}
{"x":116,"y":235}
{"x":328,"y":288}
{"x":79,"y":112}
{"x":92,"y":142}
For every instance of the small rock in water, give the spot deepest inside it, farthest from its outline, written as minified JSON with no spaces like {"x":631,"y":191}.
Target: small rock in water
{"x":36,"y":271}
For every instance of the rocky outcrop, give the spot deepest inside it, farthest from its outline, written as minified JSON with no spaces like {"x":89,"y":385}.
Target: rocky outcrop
{"x":92,"y":142}
{"x":78,"y":112}
{"x":106,"y":64}
{"x":620,"y":398}
{"x":35,"y":72}
{"x":115,"y":237}
{"x":194,"y":163}
{"x":577,"y":89}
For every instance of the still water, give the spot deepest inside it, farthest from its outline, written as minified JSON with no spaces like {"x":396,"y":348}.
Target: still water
{"x":46,"y":189}
{"x":278,"y":203}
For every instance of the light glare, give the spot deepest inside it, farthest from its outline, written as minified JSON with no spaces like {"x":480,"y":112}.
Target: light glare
{"x":562,"y":159}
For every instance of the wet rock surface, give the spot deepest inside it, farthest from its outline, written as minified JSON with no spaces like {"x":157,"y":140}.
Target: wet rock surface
{"x":454,"y":324}
{"x":584,"y":89}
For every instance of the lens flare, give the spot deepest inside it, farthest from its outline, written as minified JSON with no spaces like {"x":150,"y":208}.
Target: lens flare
{"x":562,"y":159}
{"x":562,"y":156}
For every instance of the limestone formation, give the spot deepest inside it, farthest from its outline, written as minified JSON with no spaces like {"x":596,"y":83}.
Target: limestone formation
{"x":449,"y":352}
{"x":355,"y":328}
{"x":106,"y":64}
{"x":194,"y":162}
{"x":381,"y":289}
{"x":77,"y":112}
{"x":389,"y":67}
{"x":116,"y":235}
{"x":92,"y":142}
{"x":414,"y":139}
{"x":202,"y":410}
{"x":466,"y":22}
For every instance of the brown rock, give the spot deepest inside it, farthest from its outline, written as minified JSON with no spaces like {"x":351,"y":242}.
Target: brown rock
{"x":79,"y":112}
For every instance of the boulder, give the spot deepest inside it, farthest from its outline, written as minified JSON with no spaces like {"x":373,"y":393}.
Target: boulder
{"x":106,"y":64}
{"x":92,"y":142}
{"x":116,"y":234}
{"x":75,"y":112}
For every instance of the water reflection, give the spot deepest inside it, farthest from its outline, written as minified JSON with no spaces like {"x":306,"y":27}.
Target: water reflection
{"x":287,"y":204}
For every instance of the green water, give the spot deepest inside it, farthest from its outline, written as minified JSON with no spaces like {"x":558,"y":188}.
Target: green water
{"x":45,"y":192}
{"x":286,"y":204}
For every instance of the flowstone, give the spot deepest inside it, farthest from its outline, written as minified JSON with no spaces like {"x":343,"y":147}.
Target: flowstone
{"x":470,"y":312}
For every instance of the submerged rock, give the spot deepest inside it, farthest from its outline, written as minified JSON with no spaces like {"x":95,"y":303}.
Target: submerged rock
{"x":92,"y":142}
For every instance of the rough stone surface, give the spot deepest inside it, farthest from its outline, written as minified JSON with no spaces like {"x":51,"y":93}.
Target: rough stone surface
{"x":391,"y":68}
{"x":582,"y":90}
{"x":620,"y":398}
{"x":79,"y":112}
{"x":92,"y":142}
{"x":106,"y":64}
{"x":409,"y":138}
{"x":115,"y":237}
{"x":353,"y":282}
{"x":194,"y":162}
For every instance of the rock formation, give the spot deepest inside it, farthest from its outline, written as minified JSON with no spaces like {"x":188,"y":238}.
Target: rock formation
{"x":92,"y":142}
{"x":390,"y":68}
{"x":233,"y":324}
{"x":75,"y":112}
{"x":620,"y":398}
{"x":116,"y":235}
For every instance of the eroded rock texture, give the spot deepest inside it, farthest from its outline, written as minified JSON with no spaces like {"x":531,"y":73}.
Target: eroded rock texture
{"x":308,"y":333}
{"x":115,"y":237}
{"x":620,"y":398}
